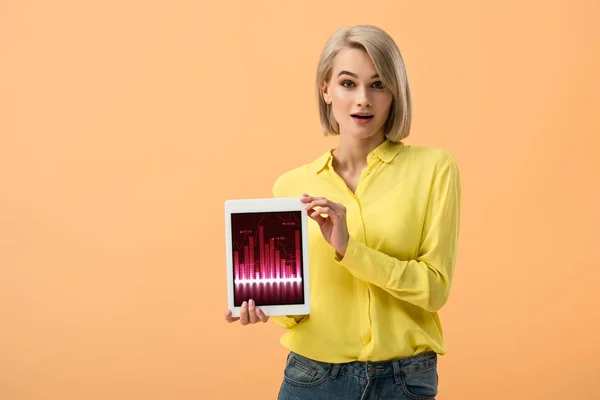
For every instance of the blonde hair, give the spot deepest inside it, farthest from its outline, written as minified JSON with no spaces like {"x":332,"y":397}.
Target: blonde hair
{"x":389,"y":64}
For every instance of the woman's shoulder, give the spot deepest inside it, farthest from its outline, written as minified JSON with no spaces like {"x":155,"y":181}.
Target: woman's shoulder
{"x":427,"y":163}
{"x":428,"y":155}
{"x":427,"y":159}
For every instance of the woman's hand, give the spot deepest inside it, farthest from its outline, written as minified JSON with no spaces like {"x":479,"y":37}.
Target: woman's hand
{"x":333,"y":226}
{"x":249,"y":314}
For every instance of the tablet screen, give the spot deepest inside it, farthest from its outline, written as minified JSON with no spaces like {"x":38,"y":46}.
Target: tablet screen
{"x":267,"y":257}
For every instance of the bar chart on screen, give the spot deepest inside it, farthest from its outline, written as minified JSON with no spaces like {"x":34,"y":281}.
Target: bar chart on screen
{"x":267,"y":258}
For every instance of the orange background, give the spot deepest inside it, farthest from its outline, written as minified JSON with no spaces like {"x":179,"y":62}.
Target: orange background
{"x":124,"y":126}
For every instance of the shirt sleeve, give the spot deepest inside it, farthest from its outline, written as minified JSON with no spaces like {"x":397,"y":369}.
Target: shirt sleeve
{"x":426,"y":280}
{"x":285,"y":321}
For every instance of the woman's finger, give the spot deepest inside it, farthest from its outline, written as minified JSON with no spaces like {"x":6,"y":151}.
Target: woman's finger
{"x":261,"y":315}
{"x":310,"y":208}
{"x":337,"y":207}
{"x":314,"y":214}
{"x":330,"y":212}
{"x":244,"y":314}
{"x":318,"y":202}
{"x":322,"y":211}
{"x":307,"y":199}
{"x":323,"y":202}
{"x":252,"y":312}
{"x":229,"y":318}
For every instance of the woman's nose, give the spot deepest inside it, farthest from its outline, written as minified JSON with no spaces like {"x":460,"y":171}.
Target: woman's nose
{"x":363,"y":98}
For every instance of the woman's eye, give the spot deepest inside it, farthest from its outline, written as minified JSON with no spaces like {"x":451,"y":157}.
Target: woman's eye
{"x":378,"y":85}
{"x":347,"y":84}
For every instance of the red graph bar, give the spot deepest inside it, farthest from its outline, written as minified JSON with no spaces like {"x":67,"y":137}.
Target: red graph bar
{"x":236,"y":265}
{"x":265,"y":271}
{"x":246,"y":258}
{"x":271,"y":258}
{"x":297,"y":242}
{"x":261,"y":240}
{"x":253,"y":269}
{"x":277,"y":265}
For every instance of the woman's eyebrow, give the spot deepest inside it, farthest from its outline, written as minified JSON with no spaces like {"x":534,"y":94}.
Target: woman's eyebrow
{"x":354,"y":75}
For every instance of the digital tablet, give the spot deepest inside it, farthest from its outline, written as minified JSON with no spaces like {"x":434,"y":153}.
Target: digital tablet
{"x":267,"y":255}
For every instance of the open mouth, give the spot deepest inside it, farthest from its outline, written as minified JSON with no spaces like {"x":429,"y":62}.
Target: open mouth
{"x":362,"y":116}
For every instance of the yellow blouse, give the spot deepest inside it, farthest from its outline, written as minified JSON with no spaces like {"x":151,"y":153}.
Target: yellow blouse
{"x":381,"y":300}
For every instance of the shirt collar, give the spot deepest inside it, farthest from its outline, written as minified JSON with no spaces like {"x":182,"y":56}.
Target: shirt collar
{"x":386,"y":152}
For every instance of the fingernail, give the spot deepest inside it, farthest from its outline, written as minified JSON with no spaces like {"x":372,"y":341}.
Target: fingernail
{"x":251,"y":303}
{"x":244,"y":304}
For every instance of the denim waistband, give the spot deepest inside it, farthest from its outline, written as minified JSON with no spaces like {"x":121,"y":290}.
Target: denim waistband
{"x":379,"y":369}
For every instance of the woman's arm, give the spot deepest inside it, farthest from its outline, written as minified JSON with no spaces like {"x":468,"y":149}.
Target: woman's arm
{"x":424,"y":281}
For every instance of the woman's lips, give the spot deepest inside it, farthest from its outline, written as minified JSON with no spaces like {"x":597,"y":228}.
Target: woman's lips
{"x":362,"y":119}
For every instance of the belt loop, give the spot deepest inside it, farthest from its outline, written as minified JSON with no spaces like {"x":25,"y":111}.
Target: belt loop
{"x":335,"y":369}
{"x":397,"y":371}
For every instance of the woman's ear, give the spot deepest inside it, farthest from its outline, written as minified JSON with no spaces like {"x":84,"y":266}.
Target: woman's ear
{"x":325,"y":93}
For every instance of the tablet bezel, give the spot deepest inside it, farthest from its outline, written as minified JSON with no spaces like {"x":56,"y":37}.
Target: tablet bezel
{"x":268,"y":205}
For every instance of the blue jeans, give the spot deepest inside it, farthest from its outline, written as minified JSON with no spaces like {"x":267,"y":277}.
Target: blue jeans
{"x":413,"y":378}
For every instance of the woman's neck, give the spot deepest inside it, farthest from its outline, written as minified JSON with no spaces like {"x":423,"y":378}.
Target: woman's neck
{"x":351,"y":154}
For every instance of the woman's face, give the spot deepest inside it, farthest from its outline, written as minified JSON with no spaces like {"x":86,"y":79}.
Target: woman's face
{"x":359,"y":101}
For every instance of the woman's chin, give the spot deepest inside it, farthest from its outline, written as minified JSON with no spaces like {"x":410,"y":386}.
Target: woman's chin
{"x":362,"y":134}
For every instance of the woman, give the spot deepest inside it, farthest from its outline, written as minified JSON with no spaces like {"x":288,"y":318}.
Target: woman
{"x":383,"y":236}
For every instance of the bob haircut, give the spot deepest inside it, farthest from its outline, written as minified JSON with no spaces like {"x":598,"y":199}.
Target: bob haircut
{"x":389,"y":64}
